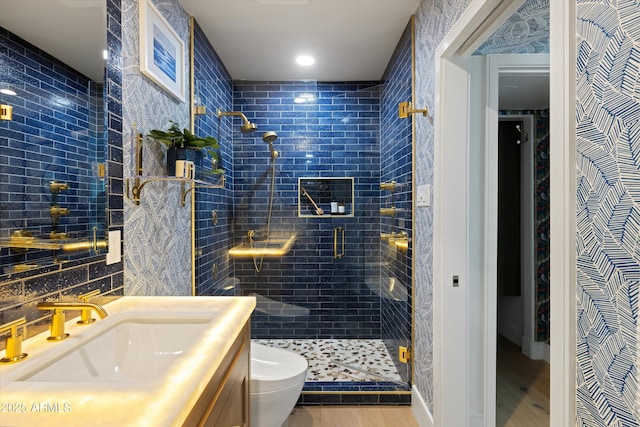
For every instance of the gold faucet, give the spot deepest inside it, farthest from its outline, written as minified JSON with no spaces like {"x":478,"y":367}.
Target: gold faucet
{"x":58,"y":317}
{"x":85,"y":313}
{"x":14,"y":341}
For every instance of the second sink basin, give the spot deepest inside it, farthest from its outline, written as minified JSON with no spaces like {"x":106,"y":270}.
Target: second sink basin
{"x":130,"y":351}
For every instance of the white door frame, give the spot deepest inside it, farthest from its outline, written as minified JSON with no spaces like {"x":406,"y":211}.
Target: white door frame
{"x":455,"y":390}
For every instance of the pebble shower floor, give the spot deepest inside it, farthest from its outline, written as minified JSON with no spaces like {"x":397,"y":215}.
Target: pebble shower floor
{"x":341,"y":360}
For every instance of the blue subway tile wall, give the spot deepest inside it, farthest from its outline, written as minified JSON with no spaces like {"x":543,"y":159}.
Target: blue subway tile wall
{"x":324,"y":130}
{"x":19,"y":292}
{"x":213,"y":90}
{"x":396,"y":160}
{"x":54,"y":136}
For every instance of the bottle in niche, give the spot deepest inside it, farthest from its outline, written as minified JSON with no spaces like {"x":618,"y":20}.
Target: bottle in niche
{"x":341,"y":209}
{"x":334,"y":207}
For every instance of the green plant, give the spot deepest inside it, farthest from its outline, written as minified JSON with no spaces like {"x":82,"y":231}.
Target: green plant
{"x":175,"y":137}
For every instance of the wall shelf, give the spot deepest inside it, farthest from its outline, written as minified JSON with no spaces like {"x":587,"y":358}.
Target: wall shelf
{"x":204,"y":178}
{"x":133,"y":191}
{"x":323,"y":197}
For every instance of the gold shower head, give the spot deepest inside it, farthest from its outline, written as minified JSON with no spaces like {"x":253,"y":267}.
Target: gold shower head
{"x":246,"y":127}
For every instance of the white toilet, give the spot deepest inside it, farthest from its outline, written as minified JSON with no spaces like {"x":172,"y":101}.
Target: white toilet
{"x":277,"y":378}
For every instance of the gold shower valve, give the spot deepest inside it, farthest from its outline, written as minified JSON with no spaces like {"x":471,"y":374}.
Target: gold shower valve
{"x":389,"y":186}
{"x":388,"y":211}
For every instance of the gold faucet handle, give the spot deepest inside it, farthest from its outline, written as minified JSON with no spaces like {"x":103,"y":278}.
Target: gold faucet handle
{"x":14,"y":341}
{"x":85,"y":313}
{"x":57,"y":321}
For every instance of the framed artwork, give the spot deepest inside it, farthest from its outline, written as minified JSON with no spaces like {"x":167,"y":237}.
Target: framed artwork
{"x":161,"y":51}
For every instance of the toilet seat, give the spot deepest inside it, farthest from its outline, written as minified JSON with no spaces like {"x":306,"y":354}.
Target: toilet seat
{"x":275,"y":369}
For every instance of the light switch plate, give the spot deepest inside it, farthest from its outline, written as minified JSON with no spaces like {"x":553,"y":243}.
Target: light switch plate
{"x":423,"y":195}
{"x":114,"y":254}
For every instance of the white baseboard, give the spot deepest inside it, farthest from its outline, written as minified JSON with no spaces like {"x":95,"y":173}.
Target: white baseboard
{"x":419,"y":408}
{"x":510,"y":332}
{"x":476,"y":420}
{"x":536,"y":350}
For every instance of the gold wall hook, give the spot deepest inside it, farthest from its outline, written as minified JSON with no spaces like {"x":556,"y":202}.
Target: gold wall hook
{"x":406,"y":108}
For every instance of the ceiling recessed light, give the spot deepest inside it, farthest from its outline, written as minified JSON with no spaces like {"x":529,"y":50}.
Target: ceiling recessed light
{"x":305,"y":60}
{"x":8,"y":92}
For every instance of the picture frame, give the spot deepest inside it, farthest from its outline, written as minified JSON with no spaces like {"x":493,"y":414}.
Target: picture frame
{"x":161,"y":51}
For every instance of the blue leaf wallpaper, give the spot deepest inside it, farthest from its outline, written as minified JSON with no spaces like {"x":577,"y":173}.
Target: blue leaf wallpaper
{"x":608,"y":211}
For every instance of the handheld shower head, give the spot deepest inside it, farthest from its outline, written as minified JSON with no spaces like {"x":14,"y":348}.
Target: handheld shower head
{"x":269,"y":137}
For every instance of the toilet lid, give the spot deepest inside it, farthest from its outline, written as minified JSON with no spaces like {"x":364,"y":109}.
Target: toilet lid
{"x":275,"y":369}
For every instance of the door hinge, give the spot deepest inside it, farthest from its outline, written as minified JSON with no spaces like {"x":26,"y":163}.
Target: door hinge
{"x":6,"y":112}
{"x":404,"y":354}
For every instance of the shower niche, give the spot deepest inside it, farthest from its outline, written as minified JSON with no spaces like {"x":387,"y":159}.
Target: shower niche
{"x":325,"y":197}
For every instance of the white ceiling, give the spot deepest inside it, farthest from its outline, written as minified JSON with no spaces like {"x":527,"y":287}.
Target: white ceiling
{"x":74,"y":31}
{"x":256,"y":39}
{"x":259,"y":39}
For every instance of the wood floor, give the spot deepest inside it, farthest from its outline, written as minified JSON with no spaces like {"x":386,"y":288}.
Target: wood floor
{"x":522,"y":388}
{"x":352,"y":416}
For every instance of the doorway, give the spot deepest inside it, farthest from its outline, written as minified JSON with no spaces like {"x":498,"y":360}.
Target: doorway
{"x":522,"y":376}
{"x":463,"y":252}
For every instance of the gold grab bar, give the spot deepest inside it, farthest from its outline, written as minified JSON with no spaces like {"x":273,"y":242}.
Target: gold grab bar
{"x":337,"y":230}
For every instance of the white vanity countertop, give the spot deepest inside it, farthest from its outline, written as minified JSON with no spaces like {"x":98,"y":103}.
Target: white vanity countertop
{"x":165,"y":401}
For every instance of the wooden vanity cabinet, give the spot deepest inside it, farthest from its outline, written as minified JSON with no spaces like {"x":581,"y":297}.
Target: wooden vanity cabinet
{"x":225,"y":401}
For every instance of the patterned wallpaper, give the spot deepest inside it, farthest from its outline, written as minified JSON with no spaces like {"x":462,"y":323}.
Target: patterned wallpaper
{"x":157,"y":242}
{"x":526,"y":31}
{"x":608,"y":211}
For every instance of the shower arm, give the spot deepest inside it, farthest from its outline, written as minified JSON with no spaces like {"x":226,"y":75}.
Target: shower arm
{"x":221,"y":113}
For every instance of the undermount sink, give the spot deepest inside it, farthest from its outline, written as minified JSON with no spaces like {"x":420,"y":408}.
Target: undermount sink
{"x":130,"y":351}
{"x":147,"y":363}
